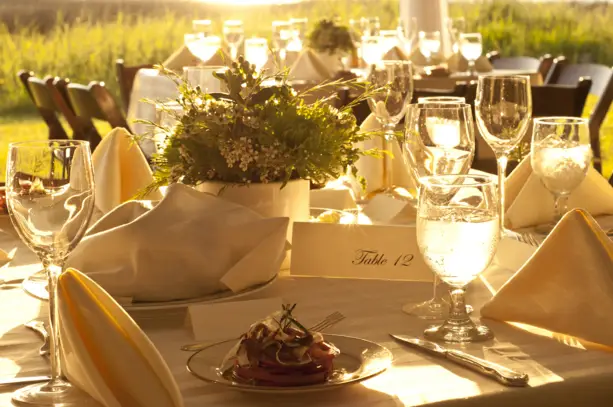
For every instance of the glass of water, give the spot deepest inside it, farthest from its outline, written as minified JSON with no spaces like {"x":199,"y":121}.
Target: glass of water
{"x":201,"y":46}
{"x":441,"y":99}
{"x":429,"y":44}
{"x":561,"y":156}
{"x":471,"y":48}
{"x":457,"y":233}
{"x":203,"y":26}
{"x":234,"y":34}
{"x":281,"y":36}
{"x":256,"y":52}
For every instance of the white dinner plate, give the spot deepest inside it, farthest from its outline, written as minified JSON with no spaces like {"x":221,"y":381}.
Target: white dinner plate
{"x":37,"y":288}
{"x":359,"y":360}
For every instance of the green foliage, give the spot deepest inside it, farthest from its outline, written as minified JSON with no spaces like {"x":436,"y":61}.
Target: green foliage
{"x":330,"y":37}
{"x":256,"y":134}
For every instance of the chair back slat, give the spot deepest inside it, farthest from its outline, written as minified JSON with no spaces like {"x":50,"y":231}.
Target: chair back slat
{"x":125,"y":79}
{"x":42,"y":98}
{"x":83,"y":102}
{"x":523,"y":63}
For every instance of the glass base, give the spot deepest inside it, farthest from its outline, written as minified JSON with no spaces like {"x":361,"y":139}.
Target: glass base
{"x":53,"y":394}
{"x":431,"y":309}
{"x":463,"y":331}
{"x":36,"y":285}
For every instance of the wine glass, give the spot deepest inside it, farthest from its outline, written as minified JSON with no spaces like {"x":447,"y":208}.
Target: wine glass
{"x":371,"y":49}
{"x":203,"y":76}
{"x":439,"y":140}
{"x":395,"y":79}
{"x":429,"y":44}
{"x":234,"y":34}
{"x":203,"y":47}
{"x":50,"y":198}
{"x":202,"y":26}
{"x":372,"y":26}
{"x":441,"y":99}
{"x":457,"y":234}
{"x":407,"y":33}
{"x":299,"y":28}
{"x":256,"y":52}
{"x":281,"y":35}
{"x":560,"y":156}
{"x":389,"y":40}
{"x":503,"y":109}
{"x":456,"y":27}
{"x":471,"y":48}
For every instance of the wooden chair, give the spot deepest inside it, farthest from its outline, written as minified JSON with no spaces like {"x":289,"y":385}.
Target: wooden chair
{"x":125,"y":79}
{"x":542,"y":65}
{"x":42,"y":97}
{"x":564,"y":73}
{"x":94,"y":101}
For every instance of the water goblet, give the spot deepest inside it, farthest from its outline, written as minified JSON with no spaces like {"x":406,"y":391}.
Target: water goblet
{"x":471,"y":48}
{"x":202,"y":26}
{"x":457,"y":234}
{"x":429,"y":44}
{"x":439,"y":140}
{"x":203,"y":76}
{"x":372,"y":26}
{"x":299,"y":28}
{"x":281,"y":35}
{"x":50,"y":199}
{"x":456,"y":27}
{"x":441,"y":99}
{"x":395,"y":81}
{"x":203,"y":47}
{"x":371,"y":49}
{"x":503,"y":109}
{"x":560,"y":155}
{"x":234,"y":34}
{"x":256,"y":52}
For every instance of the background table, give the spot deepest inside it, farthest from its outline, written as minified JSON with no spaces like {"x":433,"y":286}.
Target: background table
{"x":560,"y":375}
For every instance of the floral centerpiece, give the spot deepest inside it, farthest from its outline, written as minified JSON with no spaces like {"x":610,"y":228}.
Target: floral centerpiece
{"x":332,"y":42}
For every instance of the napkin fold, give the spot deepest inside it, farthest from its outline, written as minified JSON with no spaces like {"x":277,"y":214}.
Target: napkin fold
{"x":187,"y":245}
{"x":566,"y":286}
{"x":371,"y":168}
{"x":120,"y":171}
{"x":457,"y":63}
{"x":183,"y":57}
{"x":529,"y":203}
{"x":394,"y":54}
{"x":105,"y":353}
{"x":309,"y":67}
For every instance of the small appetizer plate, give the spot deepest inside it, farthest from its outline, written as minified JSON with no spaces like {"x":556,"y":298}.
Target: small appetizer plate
{"x":359,"y":360}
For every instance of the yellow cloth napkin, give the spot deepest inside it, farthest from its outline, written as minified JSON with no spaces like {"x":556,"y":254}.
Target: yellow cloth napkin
{"x":187,"y":245}
{"x":371,"y":168}
{"x":457,"y":63}
{"x":529,"y":203}
{"x":395,"y":53}
{"x":183,"y":57}
{"x":566,"y":286}
{"x":120,"y":171}
{"x":105,"y":353}
{"x":309,"y":67}
{"x":4,"y":257}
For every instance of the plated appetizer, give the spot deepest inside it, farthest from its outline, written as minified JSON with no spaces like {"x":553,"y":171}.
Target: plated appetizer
{"x":280,"y":351}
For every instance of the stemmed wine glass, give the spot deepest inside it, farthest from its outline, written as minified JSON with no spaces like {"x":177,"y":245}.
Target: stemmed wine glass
{"x":439,"y":140}
{"x":560,"y":155}
{"x":256,"y":52}
{"x":281,"y":35}
{"x":50,"y":197}
{"x":456,"y":27}
{"x":471,"y":48}
{"x":202,"y":26}
{"x":299,"y":27}
{"x":441,"y":99}
{"x":233,"y":34}
{"x":503,"y":109}
{"x":457,"y":234}
{"x":395,"y":80}
{"x":429,"y":44}
{"x":203,"y":47}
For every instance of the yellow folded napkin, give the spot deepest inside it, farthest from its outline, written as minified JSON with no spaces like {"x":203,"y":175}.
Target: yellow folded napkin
{"x":120,"y":171}
{"x":189,"y":244}
{"x":529,"y":203}
{"x":371,"y":168}
{"x":566,"y":286}
{"x":183,"y":57}
{"x":4,"y":257}
{"x":309,"y":67}
{"x":395,"y":53}
{"x":457,"y":63}
{"x":105,"y":353}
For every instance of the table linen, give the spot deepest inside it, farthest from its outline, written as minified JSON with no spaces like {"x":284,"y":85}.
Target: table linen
{"x":561,"y":375}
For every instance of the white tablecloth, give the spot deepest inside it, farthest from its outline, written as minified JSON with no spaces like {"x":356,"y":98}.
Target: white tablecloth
{"x":561,"y":375}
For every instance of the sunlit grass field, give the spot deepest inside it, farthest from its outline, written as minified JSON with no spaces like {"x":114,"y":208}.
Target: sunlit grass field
{"x":85,"y":48}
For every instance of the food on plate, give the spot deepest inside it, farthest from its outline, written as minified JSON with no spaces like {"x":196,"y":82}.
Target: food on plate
{"x":280,"y":351}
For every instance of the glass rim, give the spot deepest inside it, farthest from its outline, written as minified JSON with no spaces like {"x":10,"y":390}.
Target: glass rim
{"x":233,"y":22}
{"x":557,"y":120}
{"x":430,"y":32}
{"x":471,"y":35}
{"x":202,"y":22}
{"x":456,"y":99}
{"x":395,"y":62}
{"x":431,"y":181}
{"x":490,"y":76}
{"x":62,"y":142}
{"x":441,"y":105}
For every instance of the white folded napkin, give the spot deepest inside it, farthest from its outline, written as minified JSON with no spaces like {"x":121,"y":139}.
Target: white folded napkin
{"x":566,"y":286}
{"x":105,"y":353}
{"x":183,"y":57}
{"x":188,"y":245}
{"x":338,"y":194}
{"x":394,"y":54}
{"x":529,"y":203}
{"x":308,"y":67}
{"x":120,"y":171}
{"x":457,"y":63}
{"x":371,"y":168}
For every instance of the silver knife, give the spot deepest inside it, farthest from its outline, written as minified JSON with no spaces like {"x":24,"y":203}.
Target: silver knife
{"x":24,"y":380}
{"x":504,"y":375}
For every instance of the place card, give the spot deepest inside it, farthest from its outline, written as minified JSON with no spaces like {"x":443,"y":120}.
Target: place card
{"x":357,"y":251}
{"x":227,"y":320}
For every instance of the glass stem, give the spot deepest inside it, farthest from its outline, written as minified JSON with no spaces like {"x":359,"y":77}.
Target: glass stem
{"x":458,"y":314}
{"x":53,"y":272}
{"x":471,"y":67}
{"x":502,"y":161}
{"x":388,"y":139}
{"x":234,"y":52}
{"x":560,"y":206}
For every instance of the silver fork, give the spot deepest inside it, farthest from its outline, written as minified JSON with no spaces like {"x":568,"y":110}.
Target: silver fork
{"x":528,"y":238}
{"x":322,"y":325}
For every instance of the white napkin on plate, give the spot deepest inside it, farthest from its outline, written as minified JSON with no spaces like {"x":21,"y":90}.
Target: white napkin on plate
{"x":183,"y":57}
{"x":105,"y":353}
{"x":338,"y":194}
{"x":308,"y":67}
{"x":120,"y":171}
{"x":457,"y":63}
{"x":190,"y":244}
{"x":371,"y":168}
{"x":395,"y":54}
{"x":529,"y":203}
{"x":566,"y":286}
